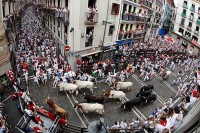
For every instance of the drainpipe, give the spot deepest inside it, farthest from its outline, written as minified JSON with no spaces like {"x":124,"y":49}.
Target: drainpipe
{"x":104,"y":22}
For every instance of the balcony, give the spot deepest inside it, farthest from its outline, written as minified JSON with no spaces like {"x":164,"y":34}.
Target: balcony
{"x":191,"y":18}
{"x":134,"y":18}
{"x":198,"y":22}
{"x":197,"y":33}
{"x":62,"y":16}
{"x":183,"y":15}
{"x":146,"y":3}
{"x":138,"y":35}
{"x":187,"y":37}
{"x":185,"y":6}
{"x":91,"y":18}
{"x":155,"y":26}
{"x":189,"y":28}
{"x":158,"y":15}
{"x":192,"y":9}
{"x":148,"y":25}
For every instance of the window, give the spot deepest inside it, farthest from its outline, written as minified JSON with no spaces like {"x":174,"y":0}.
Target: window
{"x":180,"y":30}
{"x":9,"y":7}
{"x":140,"y":11}
{"x":193,"y":6}
{"x":188,"y":34}
{"x":54,"y":2}
{"x":121,"y":27}
{"x":185,"y":2}
{"x":91,"y":3}
{"x":65,"y":33}
{"x":115,"y":9}
{"x":142,"y":26}
{"x":66,"y":3}
{"x":190,"y":24}
{"x":4,"y":11}
{"x":111,"y":29}
{"x":131,"y":26}
{"x":197,"y":28}
{"x":134,"y":8}
{"x":182,"y":21}
{"x":58,"y":3}
{"x":137,"y":26}
{"x":194,"y":38}
{"x":89,"y":36}
{"x":199,"y":10}
{"x":184,"y":44}
{"x":184,"y":11}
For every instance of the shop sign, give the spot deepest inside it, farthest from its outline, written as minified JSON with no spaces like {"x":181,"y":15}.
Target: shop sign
{"x":111,"y":47}
{"x":91,"y":50}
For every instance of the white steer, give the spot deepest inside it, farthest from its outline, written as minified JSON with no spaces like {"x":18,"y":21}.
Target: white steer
{"x":115,"y":94}
{"x":90,"y":107}
{"x":69,"y":87}
{"x":84,"y":84}
{"x":123,"y":85}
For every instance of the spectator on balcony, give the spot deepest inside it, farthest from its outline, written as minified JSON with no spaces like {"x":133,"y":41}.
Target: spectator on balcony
{"x":65,"y":14}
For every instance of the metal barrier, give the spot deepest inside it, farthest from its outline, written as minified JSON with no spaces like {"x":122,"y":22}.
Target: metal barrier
{"x":72,"y":129}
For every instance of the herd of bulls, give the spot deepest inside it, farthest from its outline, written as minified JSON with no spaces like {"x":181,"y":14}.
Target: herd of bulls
{"x":144,"y":96}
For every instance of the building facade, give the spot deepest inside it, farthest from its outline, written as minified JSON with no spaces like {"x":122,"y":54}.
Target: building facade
{"x":91,"y":27}
{"x":187,"y":24}
{"x":154,"y":24}
{"x":4,"y":50}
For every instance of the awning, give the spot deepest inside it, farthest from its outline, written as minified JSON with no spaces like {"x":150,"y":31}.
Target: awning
{"x":162,"y":32}
{"x":122,"y":42}
{"x":195,"y":43}
{"x":91,"y":53}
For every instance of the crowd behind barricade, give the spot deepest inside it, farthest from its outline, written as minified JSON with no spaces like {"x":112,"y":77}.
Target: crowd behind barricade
{"x":4,"y":127}
{"x":37,"y":52}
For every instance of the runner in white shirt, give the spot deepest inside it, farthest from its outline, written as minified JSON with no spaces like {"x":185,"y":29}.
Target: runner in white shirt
{"x":36,"y":80}
{"x":55,"y":82}
{"x":44,"y":78}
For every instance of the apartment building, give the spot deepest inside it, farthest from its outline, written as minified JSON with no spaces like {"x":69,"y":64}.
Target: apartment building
{"x":152,"y":27}
{"x":89,"y":27}
{"x":187,"y":24}
{"x":6,"y":17}
{"x":86,"y":27}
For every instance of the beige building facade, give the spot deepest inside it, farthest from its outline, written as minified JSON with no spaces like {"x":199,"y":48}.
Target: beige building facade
{"x":4,"y":51}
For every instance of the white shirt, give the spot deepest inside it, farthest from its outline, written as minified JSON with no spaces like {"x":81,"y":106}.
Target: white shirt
{"x":123,"y":125}
{"x":29,"y":112}
{"x":192,"y":101}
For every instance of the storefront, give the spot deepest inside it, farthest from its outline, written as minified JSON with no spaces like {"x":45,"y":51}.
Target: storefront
{"x":123,"y":42}
{"x":109,"y":51}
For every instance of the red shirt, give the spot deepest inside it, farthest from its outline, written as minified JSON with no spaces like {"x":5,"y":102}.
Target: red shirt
{"x":51,"y":116}
{"x":62,"y":121}
{"x":37,"y":130}
{"x":37,"y":120}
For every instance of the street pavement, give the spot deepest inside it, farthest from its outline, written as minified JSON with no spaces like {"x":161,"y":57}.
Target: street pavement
{"x":113,"y":113}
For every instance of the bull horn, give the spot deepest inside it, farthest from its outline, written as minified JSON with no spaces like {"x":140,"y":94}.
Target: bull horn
{"x":76,"y":101}
{"x":84,"y":94}
{"x":104,"y":90}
